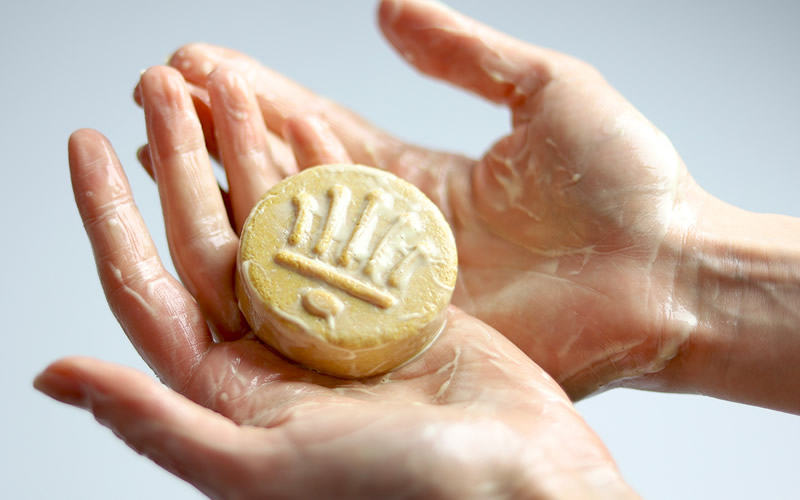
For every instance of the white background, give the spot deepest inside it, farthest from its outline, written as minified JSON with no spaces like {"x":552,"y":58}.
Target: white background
{"x":720,"y":78}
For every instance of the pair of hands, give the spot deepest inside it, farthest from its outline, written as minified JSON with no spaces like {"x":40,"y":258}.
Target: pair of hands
{"x":570,"y":232}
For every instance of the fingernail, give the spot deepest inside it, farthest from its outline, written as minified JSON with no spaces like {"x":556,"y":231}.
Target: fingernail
{"x":137,"y":92}
{"x":143,"y":155}
{"x":61,"y":388}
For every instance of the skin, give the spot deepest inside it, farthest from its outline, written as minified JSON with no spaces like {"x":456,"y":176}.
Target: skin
{"x":473,"y":417}
{"x":574,"y":205}
{"x":609,"y":266}
{"x":608,"y":262}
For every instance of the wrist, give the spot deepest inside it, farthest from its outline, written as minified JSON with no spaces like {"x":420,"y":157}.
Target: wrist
{"x":739,"y":278}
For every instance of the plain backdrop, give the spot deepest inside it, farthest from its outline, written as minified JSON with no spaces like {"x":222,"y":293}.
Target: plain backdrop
{"x":721,"y":78}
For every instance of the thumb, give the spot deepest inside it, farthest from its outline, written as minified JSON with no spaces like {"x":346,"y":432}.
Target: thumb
{"x":188,"y":440}
{"x":449,"y":46}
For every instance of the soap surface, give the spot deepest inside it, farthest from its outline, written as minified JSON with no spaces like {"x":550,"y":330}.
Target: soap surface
{"x":346,"y":269}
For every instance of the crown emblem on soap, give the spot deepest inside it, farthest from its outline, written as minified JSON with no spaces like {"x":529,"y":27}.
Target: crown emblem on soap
{"x":348,"y":256}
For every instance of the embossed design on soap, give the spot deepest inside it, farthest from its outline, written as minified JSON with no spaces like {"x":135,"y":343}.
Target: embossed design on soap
{"x":322,"y":304}
{"x":368,"y":274}
{"x":346,"y":269}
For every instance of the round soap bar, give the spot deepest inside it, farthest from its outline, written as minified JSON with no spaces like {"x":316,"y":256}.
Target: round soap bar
{"x":346,"y":269}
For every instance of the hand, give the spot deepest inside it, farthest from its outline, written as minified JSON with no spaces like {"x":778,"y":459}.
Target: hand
{"x":570,"y":229}
{"x":471,"y":417}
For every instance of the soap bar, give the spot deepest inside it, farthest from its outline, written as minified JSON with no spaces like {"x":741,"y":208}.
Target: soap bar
{"x":346,"y":269}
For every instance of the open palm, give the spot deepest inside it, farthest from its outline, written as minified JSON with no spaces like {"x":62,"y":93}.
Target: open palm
{"x":569,"y":229}
{"x":472,"y":417}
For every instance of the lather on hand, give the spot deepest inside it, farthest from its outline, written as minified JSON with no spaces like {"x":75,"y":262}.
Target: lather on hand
{"x":472,"y":417}
{"x":581,"y":235}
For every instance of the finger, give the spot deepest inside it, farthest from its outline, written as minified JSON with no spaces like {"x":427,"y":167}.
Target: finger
{"x":201,"y":241}
{"x":281,"y":154}
{"x":280,"y":98}
{"x":156,"y":312}
{"x":314,"y":143}
{"x":143,"y":155}
{"x":137,"y":92}
{"x":192,"y":442}
{"x":243,"y":142}
{"x":202,"y":107}
{"x":444,"y":44}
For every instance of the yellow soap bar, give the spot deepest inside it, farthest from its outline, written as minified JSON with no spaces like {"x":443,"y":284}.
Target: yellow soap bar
{"x":346,"y":269}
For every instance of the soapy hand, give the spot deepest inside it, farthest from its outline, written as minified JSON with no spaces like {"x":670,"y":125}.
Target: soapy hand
{"x":473,"y":417}
{"x":570,"y":229}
